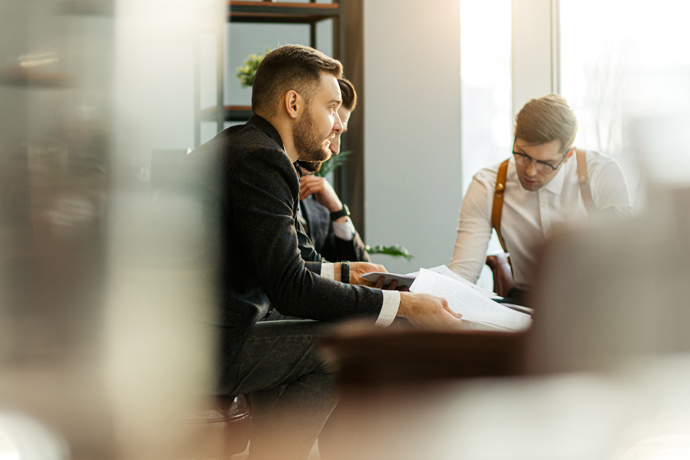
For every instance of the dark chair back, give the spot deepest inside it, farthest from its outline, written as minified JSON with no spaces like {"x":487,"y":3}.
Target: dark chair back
{"x":503,"y":273}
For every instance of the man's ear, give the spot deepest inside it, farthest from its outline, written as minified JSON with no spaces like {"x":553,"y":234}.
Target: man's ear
{"x":570,"y":154}
{"x":293,"y":103}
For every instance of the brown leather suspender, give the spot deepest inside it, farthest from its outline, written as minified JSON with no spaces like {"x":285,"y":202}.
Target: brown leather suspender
{"x":497,"y":209}
{"x":583,"y":180}
{"x":500,"y":190}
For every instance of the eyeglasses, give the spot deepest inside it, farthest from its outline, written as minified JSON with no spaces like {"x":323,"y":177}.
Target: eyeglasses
{"x":542,"y":167}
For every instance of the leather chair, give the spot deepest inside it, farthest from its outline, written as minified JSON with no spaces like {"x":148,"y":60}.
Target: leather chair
{"x":503,"y":274}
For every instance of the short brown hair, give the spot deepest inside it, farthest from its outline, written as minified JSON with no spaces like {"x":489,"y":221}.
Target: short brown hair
{"x":545,"y":119}
{"x":290,"y":67}
{"x":347,"y":89}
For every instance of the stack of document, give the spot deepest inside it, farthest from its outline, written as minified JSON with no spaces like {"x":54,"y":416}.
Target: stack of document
{"x":445,"y":271}
{"x":474,"y":303}
{"x":475,"y":306}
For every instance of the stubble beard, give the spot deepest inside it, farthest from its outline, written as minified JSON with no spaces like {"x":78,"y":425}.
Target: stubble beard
{"x":307,"y":142}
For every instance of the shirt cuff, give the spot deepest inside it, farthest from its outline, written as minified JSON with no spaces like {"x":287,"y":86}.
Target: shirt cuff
{"x":389,"y":309}
{"x":327,"y":270}
{"x":344,"y":230}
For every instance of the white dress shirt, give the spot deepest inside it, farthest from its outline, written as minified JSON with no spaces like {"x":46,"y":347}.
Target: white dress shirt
{"x":529,"y":217}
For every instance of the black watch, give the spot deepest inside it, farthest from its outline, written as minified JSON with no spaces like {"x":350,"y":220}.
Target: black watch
{"x":345,"y":272}
{"x":342,"y":213}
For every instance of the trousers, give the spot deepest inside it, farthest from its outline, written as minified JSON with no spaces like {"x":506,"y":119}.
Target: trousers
{"x":282,"y":354}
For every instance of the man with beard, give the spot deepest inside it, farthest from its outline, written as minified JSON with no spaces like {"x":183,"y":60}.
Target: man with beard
{"x":324,"y":217}
{"x":248,"y":177}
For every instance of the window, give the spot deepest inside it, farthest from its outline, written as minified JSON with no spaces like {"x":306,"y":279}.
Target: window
{"x":619,"y":60}
{"x":486,"y":86}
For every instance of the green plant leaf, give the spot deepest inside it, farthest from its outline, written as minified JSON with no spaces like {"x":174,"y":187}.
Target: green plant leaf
{"x":245,"y":73}
{"x":393,"y":251}
{"x":333,"y":163}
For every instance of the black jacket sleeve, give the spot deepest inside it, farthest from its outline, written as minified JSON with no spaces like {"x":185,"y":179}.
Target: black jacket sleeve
{"x":264,"y":189}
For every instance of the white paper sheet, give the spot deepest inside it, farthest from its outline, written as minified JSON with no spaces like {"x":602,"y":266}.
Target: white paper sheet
{"x":473,"y":305}
{"x":445,"y":271}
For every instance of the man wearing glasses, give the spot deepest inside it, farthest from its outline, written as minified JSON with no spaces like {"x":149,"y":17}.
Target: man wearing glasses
{"x":535,"y":191}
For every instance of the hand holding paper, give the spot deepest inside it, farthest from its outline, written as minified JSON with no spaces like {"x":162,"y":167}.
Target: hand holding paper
{"x":427,"y":310}
{"x":359,"y":269}
{"x":471,"y":304}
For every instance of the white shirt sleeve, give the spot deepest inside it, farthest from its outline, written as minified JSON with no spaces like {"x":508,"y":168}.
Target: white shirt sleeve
{"x":474,"y":233}
{"x":344,"y":230}
{"x":391,"y":299}
{"x":609,"y":187}
{"x":327,"y":270}
{"x":389,"y":309}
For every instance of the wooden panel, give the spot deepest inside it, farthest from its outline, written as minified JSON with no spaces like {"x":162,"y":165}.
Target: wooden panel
{"x":269,"y":12}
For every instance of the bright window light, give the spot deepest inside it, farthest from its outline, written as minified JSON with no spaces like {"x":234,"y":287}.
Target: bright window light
{"x":621,"y":59}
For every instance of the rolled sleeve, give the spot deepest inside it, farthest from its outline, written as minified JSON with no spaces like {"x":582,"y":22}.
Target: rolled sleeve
{"x":609,"y":187}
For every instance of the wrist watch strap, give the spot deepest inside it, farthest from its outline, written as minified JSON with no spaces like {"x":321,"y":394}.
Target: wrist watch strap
{"x":345,"y":272}
{"x":342,"y":213}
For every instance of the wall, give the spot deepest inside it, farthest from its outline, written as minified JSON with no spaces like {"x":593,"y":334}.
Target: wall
{"x":154,"y":89}
{"x":412,"y":53}
{"x":535,"y":50}
{"x":412,"y":128}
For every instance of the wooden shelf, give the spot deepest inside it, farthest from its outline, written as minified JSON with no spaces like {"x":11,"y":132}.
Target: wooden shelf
{"x":231,"y":113}
{"x":20,"y":77}
{"x":272,"y":13}
{"x":264,"y":12}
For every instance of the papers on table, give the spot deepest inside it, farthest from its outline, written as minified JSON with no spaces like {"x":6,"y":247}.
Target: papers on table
{"x":472,"y":301}
{"x":445,"y":271}
{"x":472,"y":304}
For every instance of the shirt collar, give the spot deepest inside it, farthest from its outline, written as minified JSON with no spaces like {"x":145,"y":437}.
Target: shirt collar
{"x":555,"y":186}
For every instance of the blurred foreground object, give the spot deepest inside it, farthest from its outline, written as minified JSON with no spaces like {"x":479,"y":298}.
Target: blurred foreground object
{"x":23,"y":438}
{"x":614,"y":293}
{"x":371,"y":356}
{"x":55,"y":74}
{"x":410,"y":394}
{"x":100,"y":337}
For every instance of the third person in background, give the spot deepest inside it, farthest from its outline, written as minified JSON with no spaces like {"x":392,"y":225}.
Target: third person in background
{"x":325,"y":219}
